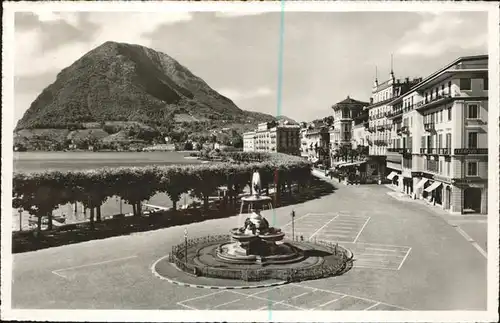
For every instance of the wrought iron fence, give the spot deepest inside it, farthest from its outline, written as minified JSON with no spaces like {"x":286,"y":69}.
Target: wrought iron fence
{"x":177,"y":257}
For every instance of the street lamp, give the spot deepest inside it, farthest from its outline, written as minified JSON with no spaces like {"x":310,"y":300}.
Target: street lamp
{"x":185,"y":244}
{"x":20,"y":220}
{"x":293,"y":225}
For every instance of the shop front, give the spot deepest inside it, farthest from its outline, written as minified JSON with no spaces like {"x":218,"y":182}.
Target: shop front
{"x":469,"y":196}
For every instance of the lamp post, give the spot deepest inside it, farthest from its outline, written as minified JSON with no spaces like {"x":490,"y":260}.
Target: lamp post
{"x":20,"y":220}
{"x":293,"y":225}
{"x":185,"y":245}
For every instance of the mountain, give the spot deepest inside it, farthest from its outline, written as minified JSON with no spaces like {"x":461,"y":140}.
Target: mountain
{"x":117,"y":87}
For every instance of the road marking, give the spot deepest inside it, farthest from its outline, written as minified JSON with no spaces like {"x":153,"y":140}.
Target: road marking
{"x":269,"y":300}
{"x":198,"y":297}
{"x":402,"y":262}
{"x":382,"y":244}
{"x":362,"y":228}
{"x":56,"y":272}
{"x":472,"y":241}
{"x":226,"y":303}
{"x":297,"y":296}
{"x":371,"y":306}
{"x":373,"y":267}
{"x":343,"y":294}
{"x":377,"y":254}
{"x":186,"y":306}
{"x":378,"y":249}
{"x":322,"y":227}
{"x":329,"y":302}
{"x":295,"y":220}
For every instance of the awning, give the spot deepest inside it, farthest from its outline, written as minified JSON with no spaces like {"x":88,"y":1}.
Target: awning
{"x":352,"y":164}
{"x":433,"y":186}
{"x":392,"y":175}
{"x":421,"y":183}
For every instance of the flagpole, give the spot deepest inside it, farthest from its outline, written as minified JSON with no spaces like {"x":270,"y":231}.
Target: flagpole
{"x":185,"y":245}
{"x":293,"y":225}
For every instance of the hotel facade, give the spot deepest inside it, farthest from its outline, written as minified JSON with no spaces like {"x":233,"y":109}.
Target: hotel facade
{"x":438,"y":137}
{"x":272,"y":137}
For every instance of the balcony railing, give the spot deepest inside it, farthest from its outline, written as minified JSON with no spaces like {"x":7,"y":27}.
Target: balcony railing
{"x":426,"y":102}
{"x":444,"y":151}
{"x":399,"y":150}
{"x":471,"y":151}
{"x":431,"y":126}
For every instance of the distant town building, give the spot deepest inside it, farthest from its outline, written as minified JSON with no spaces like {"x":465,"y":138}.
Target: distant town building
{"x":318,"y":140}
{"x":344,"y":112}
{"x":439,"y":152}
{"x":274,"y":137}
{"x":380,"y":127}
{"x":249,"y":141}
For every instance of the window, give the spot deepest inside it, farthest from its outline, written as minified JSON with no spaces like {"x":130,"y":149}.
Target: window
{"x":465,"y":84}
{"x":422,"y":141}
{"x":441,"y":169}
{"x":472,"y":140}
{"x":472,"y":168}
{"x":448,"y":140}
{"x":449,"y":114}
{"x":485,"y":84}
{"x":448,"y":168}
{"x":449,"y":88}
{"x":472,"y":111}
{"x":440,"y":141}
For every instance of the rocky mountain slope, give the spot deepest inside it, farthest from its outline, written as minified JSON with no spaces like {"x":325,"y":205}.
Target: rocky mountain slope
{"x":131,"y":87}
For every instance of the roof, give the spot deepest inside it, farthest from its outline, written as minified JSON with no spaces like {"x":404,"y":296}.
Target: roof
{"x":443,"y":69}
{"x":349,"y":103}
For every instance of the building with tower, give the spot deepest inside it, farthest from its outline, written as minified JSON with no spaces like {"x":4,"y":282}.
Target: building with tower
{"x":380,"y":127}
{"x":440,"y":135}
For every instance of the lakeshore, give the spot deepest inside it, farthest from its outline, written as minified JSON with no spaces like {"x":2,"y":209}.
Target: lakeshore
{"x":67,"y":161}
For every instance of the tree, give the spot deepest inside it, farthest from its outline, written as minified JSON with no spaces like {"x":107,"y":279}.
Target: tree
{"x":188,"y":145}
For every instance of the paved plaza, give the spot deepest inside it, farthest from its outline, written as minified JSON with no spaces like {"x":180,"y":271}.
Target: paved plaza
{"x":405,"y":258}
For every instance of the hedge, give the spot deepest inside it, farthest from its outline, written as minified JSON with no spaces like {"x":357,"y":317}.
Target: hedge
{"x":41,"y":193}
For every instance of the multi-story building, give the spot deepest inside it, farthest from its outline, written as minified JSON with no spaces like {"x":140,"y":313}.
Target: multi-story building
{"x":441,"y":137}
{"x":304,"y":141}
{"x":343,"y":114}
{"x":360,"y":130}
{"x":273,"y":137}
{"x":249,"y":141}
{"x":380,"y":128}
{"x":318,"y":140}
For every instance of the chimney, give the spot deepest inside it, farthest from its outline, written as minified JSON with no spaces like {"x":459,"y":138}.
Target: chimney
{"x":407,"y":80}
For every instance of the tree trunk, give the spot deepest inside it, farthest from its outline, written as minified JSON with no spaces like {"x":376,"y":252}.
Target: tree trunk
{"x":98,"y":209}
{"x":139,"y":208}
{"x":205,"y":203}
{"x":92,"y":218}
{"x":134,"y":209}
{"x":49,"y":218}
{"x":174,"y":205}
{"x":39,"y":224}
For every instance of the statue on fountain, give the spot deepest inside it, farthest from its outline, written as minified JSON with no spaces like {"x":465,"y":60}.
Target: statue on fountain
{"x":256,"y":184}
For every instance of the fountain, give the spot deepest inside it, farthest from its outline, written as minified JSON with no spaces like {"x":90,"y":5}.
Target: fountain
{"x":256,"y":241}
{"x":256,"y":251}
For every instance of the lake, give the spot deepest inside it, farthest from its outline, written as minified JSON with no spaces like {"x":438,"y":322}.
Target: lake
{"x":66,"y":161}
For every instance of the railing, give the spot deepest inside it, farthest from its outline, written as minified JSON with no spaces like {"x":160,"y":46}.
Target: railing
{"x":424,"y":102}
{"x":177,"y":256}
{"x":444,"y":151}
{"x":429,"y":126}
{"x":471,"y":151}
{"x":399,"y":150}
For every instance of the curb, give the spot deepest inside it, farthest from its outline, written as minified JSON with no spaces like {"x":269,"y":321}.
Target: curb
{"x":209,"y":286}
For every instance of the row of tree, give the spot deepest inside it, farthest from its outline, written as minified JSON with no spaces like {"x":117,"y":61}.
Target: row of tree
{"x":41,"y":193}
{"x":346,"y":152}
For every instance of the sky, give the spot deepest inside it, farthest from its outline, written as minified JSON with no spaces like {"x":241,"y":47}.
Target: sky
{"x":326,"y":56}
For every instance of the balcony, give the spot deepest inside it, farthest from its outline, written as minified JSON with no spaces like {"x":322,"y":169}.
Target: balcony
{"x":430,"y":126}
{"x":439,"y":99}
{"x":471,"y":151}
{"x":403,"y":151}
{"x":380,"y":128}
{"x":444,"y":151}
{"x":394,"y":113}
